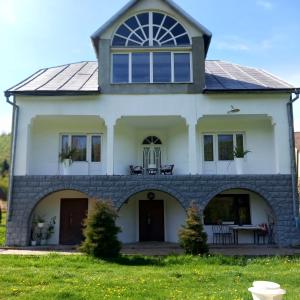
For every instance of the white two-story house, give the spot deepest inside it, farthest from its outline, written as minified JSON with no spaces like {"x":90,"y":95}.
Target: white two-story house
{"x":153,"y":126}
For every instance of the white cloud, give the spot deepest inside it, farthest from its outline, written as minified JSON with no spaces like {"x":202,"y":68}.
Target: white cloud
{"x":264,"y":4}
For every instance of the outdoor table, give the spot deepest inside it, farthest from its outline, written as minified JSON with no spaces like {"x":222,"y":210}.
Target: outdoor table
{"x":152,"y":171}
{"x":236,"y":228}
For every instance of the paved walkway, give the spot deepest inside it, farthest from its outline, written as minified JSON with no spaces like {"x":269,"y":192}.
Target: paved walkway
{"x":160,"y":249}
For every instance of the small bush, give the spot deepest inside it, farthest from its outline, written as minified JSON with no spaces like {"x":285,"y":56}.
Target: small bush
{"x":192,"y":237}
{"x":101,"y":232}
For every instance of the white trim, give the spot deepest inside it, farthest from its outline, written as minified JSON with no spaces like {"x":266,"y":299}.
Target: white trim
{"x":151,"y":67}
{"x":88,"y":145}
{"x":150,"y":25}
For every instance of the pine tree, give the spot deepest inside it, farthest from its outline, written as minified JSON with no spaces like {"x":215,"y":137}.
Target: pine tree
{"x":101,"y":232}
{"x":192,"y":237}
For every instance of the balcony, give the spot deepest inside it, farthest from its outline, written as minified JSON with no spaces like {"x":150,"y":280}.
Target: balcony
{"x":151,"y":142}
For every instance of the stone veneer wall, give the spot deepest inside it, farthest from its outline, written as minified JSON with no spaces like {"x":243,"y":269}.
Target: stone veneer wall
{"x":29,"y":190}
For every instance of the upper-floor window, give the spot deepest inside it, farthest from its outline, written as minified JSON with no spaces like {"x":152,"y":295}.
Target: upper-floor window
{"x":151,"y":29}
{"x":87,"y":147}
{"x":221,"y":146}
{"x":152,"y":67}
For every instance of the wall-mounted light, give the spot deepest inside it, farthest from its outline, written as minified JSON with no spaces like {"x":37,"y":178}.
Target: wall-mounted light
{"x":233,"y":110}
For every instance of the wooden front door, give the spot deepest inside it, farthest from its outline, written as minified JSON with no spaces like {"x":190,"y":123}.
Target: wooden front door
{"x":151,"y":220}
{"x":72,"y":214}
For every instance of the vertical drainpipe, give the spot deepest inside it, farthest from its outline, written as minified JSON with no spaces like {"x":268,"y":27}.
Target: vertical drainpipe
{"x":15,"y":118}
{"x":292,"y":155}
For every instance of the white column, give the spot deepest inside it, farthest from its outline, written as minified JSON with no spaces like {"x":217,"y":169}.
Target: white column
{"x":110,"y":149}
{"x":23,"y":155}
{"x":281,"y":148}
{"x":192,"y":148}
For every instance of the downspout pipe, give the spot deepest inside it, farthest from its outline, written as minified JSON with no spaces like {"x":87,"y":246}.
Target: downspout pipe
{"x":292,"y":155}
{"x":15,"y":120}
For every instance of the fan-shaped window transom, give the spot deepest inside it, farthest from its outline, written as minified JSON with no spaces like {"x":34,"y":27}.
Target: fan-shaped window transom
{"x":151,"y":29}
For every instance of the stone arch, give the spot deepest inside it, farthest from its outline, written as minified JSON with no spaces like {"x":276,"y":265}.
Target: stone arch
{"x":152,"y":186}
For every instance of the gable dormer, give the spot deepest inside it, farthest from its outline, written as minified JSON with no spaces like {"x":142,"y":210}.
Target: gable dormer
{"x":151,"y":46}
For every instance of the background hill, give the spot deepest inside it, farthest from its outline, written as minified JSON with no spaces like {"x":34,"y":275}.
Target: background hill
{"x":4,"y":155}
{"x":4,"y":147}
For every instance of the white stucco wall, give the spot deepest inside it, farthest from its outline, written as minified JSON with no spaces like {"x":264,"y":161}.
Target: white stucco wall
{"x":38,"y":138}
{"x":44,"y":144}
{"x":174,"y":217}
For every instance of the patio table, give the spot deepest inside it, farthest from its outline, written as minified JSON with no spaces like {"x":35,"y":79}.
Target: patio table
{"x":236,"y":228}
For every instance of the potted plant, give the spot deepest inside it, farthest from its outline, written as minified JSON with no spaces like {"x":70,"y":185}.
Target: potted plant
{"x":239,"y":153}
{"x":66,"y":157}
{"x":40,"y":221}
{"x":49,"y":230}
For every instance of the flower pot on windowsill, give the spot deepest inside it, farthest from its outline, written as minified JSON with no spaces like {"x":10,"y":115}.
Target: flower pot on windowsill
{"x":65,"y":166}
{"x":239,"y":165}
{"x":239,"y":153}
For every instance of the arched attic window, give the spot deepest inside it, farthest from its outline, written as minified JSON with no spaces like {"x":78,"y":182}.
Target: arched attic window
{"x":151,"y":29}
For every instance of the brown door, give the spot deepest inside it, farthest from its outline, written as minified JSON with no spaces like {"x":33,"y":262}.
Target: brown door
{"x":151,"y":219}
{"x":72,"y":214}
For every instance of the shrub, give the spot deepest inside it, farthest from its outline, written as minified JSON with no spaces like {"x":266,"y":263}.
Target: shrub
{"x":100,"y":232}
{"x":192,"y":237}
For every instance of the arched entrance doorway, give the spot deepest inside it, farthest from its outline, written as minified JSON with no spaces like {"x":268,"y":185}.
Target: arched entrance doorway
{"x":150,"y":215}
{"x":62,"y":214}
{"x":242,"y":208}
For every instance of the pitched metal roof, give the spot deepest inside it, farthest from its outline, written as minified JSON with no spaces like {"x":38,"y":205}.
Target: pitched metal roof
{"x":77,"y":78}
{"x":82,"y":78}
{"x":224,"y":76}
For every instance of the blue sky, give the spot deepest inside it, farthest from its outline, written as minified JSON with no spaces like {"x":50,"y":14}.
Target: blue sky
{"x":36,"y":34}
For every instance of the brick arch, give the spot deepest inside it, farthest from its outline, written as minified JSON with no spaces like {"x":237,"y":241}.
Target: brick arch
{"x":249,"y":187}
{"x":153,"y":186}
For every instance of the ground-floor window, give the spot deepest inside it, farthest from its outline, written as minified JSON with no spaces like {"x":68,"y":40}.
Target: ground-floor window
{"x":228,"y":208}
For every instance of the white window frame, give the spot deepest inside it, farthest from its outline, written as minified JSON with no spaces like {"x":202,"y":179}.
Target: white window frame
{"x":216,"y":144}
{"x":151,"y":67}
{"x":151,"y":37}
{"x":88,"y":145}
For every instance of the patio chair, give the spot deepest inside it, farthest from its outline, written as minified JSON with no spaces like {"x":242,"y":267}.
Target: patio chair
{"x":226,"y":233}
{"x":262,"y":233}
{"x":217,"y":234}
{"x":166,"y":169}
{"x":137,"y":170}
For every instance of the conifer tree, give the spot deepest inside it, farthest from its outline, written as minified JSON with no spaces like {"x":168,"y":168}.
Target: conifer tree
{"x":192,"y":237}
{"x":101,"y":232}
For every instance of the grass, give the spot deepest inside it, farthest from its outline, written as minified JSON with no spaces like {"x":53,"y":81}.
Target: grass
{"x":135,"y":277}
{"x":2,"y":229}
{"x":182,"y":277}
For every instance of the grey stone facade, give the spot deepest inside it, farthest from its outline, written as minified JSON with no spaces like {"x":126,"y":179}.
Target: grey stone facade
{"x":197,"y":86}
{"x":29,"y":190}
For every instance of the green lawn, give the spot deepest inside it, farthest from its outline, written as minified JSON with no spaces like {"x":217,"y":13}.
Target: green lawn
{"x":2,"y":229}
{"x":183,"y":277}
